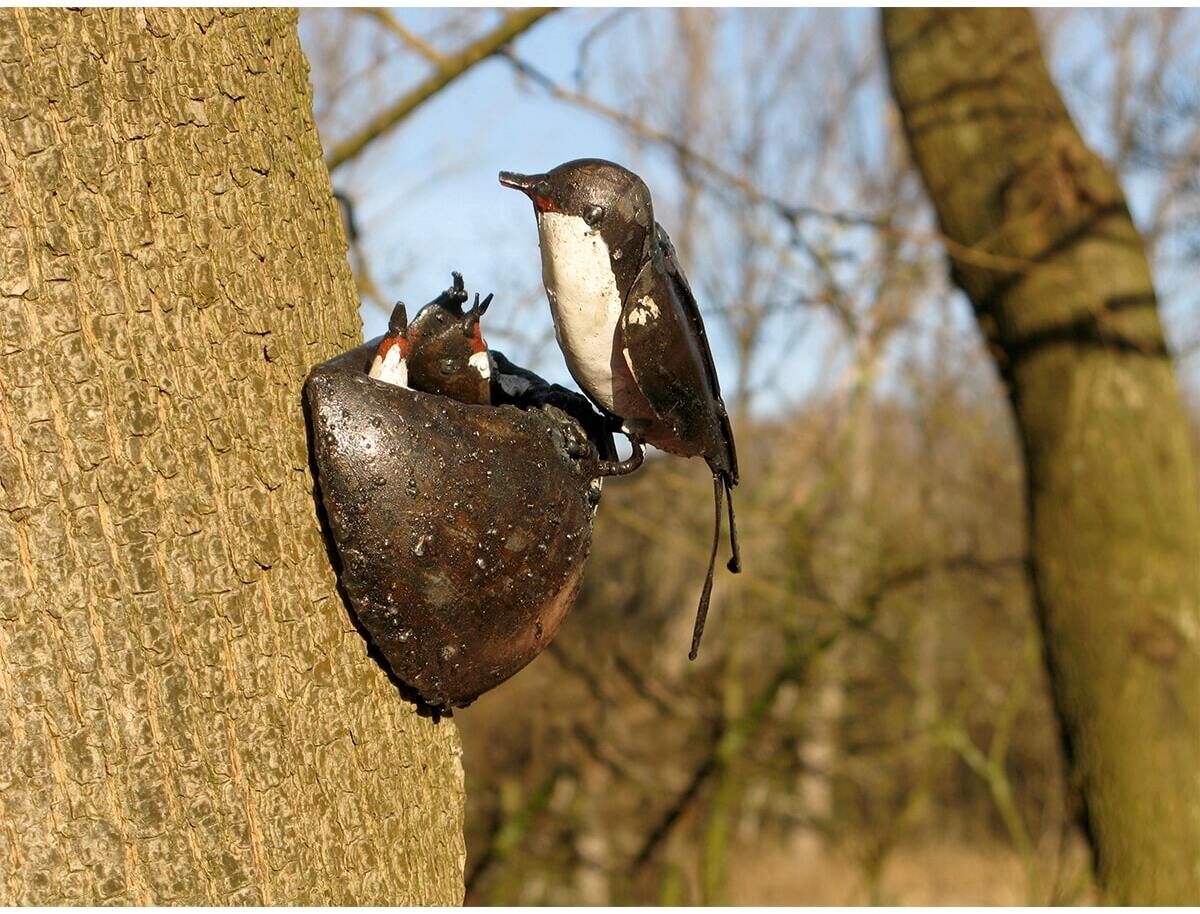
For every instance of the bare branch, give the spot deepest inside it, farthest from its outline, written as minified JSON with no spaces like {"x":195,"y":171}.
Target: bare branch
{"x":730,"y":739}
{"x":451,"y":68}
{"x":592,"y":34}
{"x":397,"y":28}
{"x":510,"y":832}
{"x":789,"y":212}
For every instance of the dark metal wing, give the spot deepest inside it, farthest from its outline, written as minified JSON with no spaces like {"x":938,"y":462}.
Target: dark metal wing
{"x":702,"y":372}
{"x":684,"y":289}
{"x":667,"y":352}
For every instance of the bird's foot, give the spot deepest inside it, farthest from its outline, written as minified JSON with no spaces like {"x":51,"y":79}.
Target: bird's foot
{"x":626,"y":466}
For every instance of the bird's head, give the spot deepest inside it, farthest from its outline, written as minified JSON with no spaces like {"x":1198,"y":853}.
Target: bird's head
{"x":390,"y":364}
{"x":447,"y":353}
{"x":586,"y":197}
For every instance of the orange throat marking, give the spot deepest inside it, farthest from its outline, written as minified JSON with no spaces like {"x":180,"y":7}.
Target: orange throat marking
{"x":477,"y":343}
{"x":391,"y":342}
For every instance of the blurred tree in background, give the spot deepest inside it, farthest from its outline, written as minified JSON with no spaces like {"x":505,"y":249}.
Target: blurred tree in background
{"x":870,"y":718}
{"x":1114,"y":530}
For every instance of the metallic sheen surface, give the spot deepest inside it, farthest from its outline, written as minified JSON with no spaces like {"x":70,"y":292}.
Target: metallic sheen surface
{"x":461,"y":530}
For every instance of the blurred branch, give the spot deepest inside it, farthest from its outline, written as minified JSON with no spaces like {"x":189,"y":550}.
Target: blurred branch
{"x":682,"y":543}
{"x":556,"y":650}
{"x":948,"y":564}
{"x":605,"y":759}
{"x":991,"y":766}
{"x":367,"y":290}
{"x":644,"y":686}
{"x":791,"y":213}
{"x":994,"y":776}
{"x":451,"y":68}
{"x":685,"y":152}
{"x":510,"y":832}
{"x":730,"y":740}
{"x":396,"y":27}
{"x":659,"y":833}
{"x":820,"y":600}
{"x":593,"y":33}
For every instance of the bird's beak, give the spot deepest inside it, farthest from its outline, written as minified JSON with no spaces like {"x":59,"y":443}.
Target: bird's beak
{"x":523,"y":183}
{"x":532,"y":186}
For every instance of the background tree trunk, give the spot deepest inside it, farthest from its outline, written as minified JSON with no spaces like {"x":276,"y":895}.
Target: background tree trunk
{"x":187,"y":713}
{"x":1042,"y":241}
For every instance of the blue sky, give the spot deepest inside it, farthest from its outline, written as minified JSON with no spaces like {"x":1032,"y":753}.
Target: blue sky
{"x":462,"y":218}
{"x":416,"y":229}
{"x":428,"y":201}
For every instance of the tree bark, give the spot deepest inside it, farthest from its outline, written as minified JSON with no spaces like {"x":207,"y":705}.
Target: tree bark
{"x":1041,"y":240}
{"x":187,"y":713}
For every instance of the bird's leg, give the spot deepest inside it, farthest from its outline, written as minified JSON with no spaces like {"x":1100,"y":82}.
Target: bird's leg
{"x":626,"y":466}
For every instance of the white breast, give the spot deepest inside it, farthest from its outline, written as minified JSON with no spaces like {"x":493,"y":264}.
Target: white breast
{"x":585,"y":303}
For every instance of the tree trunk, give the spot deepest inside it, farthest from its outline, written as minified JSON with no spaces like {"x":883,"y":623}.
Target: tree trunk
{"x":1041,"y":240}
{"x":187,"y":713}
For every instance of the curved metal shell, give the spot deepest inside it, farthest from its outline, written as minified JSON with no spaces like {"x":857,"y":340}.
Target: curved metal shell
{"x":462,"y":530}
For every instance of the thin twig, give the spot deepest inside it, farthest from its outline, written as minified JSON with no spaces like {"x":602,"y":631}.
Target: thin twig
{"x":729,"y":741}
{"x":451,"y":68}
{"x":556,"y":650}
{"x":397,"y":28}
{"x":790,"y":212}
{"x":592,"y":34}
{"x":510,"y":832}
{"x":644,"y":686}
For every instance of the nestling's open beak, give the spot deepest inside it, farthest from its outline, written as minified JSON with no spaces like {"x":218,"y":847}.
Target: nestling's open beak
{"x":532,"y":186}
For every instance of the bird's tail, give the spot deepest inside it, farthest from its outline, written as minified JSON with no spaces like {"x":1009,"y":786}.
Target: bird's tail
{"x":722,"y":487}
{"x":735,"y":559}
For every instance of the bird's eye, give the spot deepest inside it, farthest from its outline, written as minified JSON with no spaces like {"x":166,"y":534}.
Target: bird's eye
{"x":592,"y":215}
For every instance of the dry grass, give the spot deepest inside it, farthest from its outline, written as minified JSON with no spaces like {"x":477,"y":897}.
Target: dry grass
{"x":930,"y":874}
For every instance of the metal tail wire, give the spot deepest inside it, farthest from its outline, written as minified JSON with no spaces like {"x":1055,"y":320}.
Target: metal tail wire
{"x":702,"y":609}
{"x":735,"y":559}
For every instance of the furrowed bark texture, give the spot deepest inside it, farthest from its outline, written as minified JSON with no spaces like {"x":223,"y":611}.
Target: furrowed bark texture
{"x":1063,"y":292}
{"x":187,"y":714}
